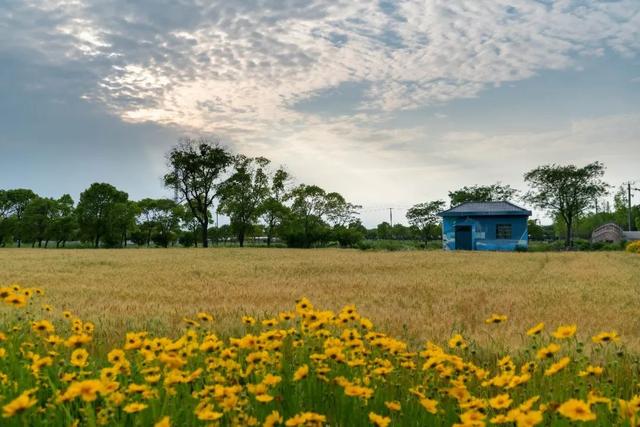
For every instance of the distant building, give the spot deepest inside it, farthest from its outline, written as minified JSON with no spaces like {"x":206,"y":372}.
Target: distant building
{"x":613,"y":233}
{"x":485,"y":226}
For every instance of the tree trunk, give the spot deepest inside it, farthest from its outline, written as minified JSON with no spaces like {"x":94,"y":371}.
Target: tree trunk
{"x":19,"y":243}
{"x":241,"y":239}
{"x":205,"y":234}
{"x":97,"y":243}
{"x":46,"y":243}
{"x":569,"y":237}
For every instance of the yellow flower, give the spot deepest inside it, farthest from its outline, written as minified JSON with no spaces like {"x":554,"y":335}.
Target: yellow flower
{"x":591,"y":371}
{"x":576,"y":410}
{"x":472,"y":418}
{"x":248,"y":320}
{"x":271,"y":380}
{"x":19,"y":404}
{"x":264,"y":398}
{"x":79,"y":357}
{"x":379,"y":420}
{"x":16,"y":300}
{"x":208,"y":414}
{"x":42,"y":326}
{"x":429,"y":404}
{"x":457,"y":341}
{"x":163,"y":422}
{"x":496,"y":318}
{"x":536,"y":330}
{"x":306,"y":419}
{"x":75,"y":341}
{"x":274,"y":418}
{"x":116,"y":356}
{"x":204,"y":317}
{"x":557,"y":367}
{"x":501,"y":401}
{"x":87,"y":390}
{"x":132,"y":408}
{"x":528,"y":418}
{"x":548,"y":351}
{"x":301,"y":373}
{"x":393,"y":406}
{"x":606,"y":337}
{"x":566,"y":331}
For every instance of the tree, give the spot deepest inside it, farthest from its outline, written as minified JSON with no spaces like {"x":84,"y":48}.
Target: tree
{"x":339,"y":212}
{"x":273,"y":208}
{"x":195,"y":169}
{"x":424,"y":216}
{"x":17,"y":201}
{"x":64,"y":222}
{"x":565,"y":191}
{"x":37,"y":220}
{"x":242,"y":195}
{"x":482,"y":193}
{"x":159,"y":220}
{"x":96,"y":209}
{"x":305,"y":224}
{"x":121,"y":223}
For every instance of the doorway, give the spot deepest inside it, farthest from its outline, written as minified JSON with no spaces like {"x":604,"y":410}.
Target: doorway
{"x":463,"y":238}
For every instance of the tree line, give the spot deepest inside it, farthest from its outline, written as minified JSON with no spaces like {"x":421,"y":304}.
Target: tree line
{"x":207,"y":179}
{"x":262,"y":201}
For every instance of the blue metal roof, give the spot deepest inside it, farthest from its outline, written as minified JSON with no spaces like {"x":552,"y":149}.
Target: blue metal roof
{"x":486,"y":209}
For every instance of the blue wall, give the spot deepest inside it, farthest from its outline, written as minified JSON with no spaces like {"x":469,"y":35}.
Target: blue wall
{"x":483,"y":231}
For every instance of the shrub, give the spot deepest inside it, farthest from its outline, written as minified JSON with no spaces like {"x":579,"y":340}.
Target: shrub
{"x":634,"y":247}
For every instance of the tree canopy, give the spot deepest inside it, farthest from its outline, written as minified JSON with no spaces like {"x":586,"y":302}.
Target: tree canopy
{"x":196,"y":167}
{"x":566,"y":191}
{"x":482,"y":193}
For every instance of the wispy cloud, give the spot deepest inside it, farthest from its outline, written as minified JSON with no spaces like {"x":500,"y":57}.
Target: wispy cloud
{"x":236,"y":68}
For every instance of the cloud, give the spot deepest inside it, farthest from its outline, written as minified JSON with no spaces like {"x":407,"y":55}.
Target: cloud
{"x":237,"y":68}
{"x":320,"y":86}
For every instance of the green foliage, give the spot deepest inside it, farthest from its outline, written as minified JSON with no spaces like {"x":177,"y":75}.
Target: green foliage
{"x":103,"y":212}
{"x":196,"y":167}
{"x":424,"y":217}
{"x":243,"y":194}
{"x":482,"y":193}
{"x":565,"y":191}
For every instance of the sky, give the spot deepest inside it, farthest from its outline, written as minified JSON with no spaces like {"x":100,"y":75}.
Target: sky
{"x":390,"y":103}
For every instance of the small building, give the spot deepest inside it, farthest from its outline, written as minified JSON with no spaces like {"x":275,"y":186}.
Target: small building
{"x":485,"y":226}
{"x":613,"y":233}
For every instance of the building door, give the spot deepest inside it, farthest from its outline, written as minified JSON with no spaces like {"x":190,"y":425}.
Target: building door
{"x":463,"y":238}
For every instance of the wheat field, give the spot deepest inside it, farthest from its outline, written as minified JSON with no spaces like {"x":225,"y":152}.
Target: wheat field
{"x":414,"y":295}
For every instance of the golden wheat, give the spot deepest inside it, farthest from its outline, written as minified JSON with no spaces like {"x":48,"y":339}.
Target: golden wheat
{"x":417,"y":295}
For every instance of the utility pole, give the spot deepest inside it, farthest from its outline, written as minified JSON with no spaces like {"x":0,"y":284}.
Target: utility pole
{"x":629,"y":204}
{"x":629,"y":189}
{"x":391,"y":216}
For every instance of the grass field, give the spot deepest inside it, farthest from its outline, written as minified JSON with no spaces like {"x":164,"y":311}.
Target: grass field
{"x":415,"y":295}
{"x":125,"y":354}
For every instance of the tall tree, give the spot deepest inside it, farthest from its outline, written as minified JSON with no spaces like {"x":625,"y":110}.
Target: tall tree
{"x":95,"y":209}
{"x":121,"y":223}
{"x":273,"y":209}
{"x":565,"y":191}
{"x":64,"y":222}
{"x":161,"y":220}
{"x":339,"y":212}
{"x":195,"y":170}
{"x":424,"y":216}
{"x":18,"y":200}
{"x":242,"y":195}
{"x":482,"y":193}
{"x":38,"y":218}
